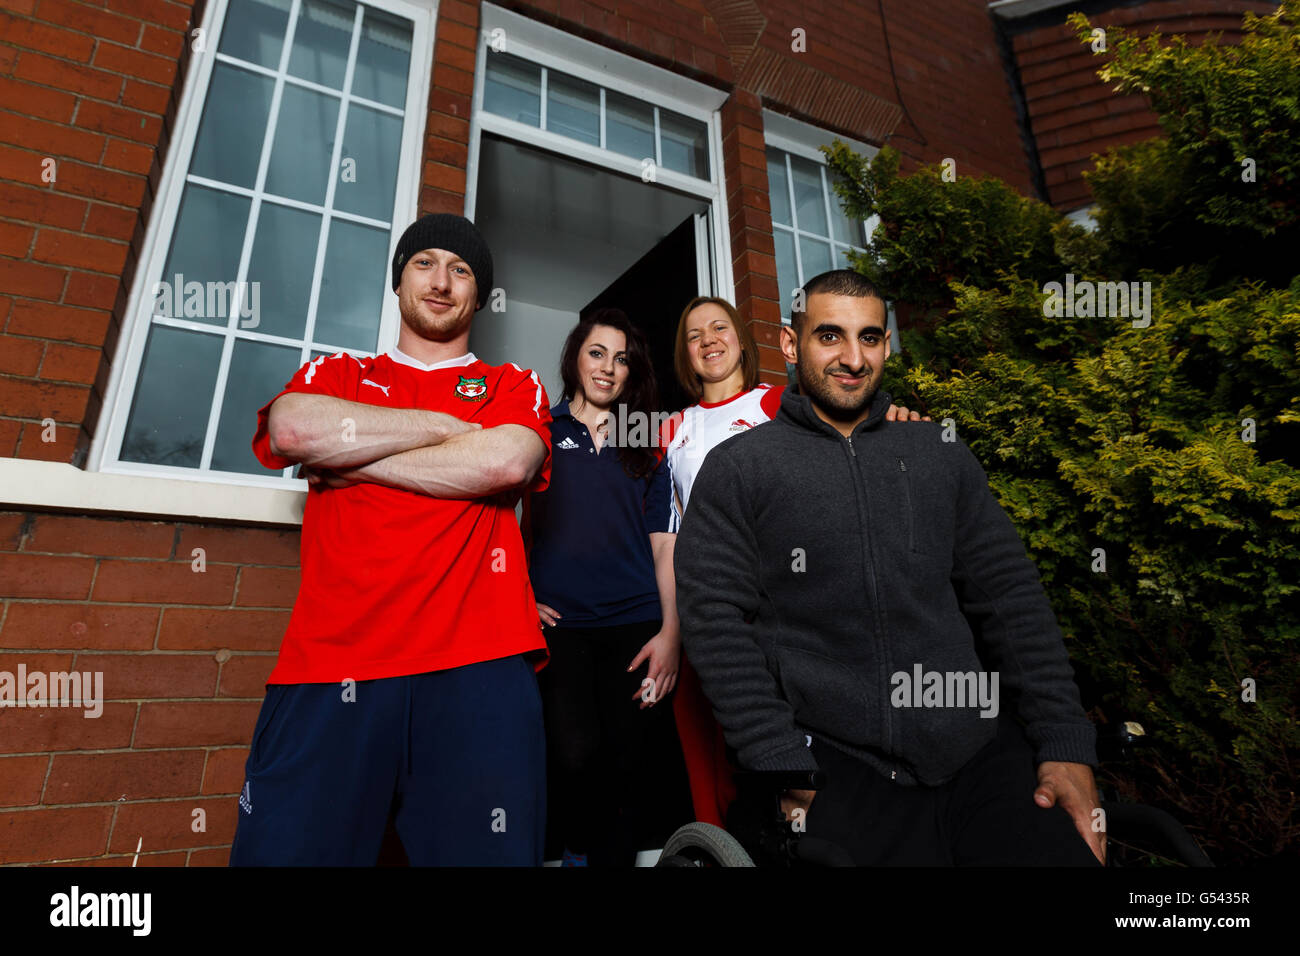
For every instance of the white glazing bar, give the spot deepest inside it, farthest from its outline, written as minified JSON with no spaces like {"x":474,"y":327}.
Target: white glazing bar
{"x":250,"y":229}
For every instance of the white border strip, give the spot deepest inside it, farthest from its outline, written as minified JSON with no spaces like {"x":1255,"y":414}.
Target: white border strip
{"x":26,"y":483}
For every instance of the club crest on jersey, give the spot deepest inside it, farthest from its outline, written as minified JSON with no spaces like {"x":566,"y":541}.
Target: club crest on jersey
{"x":472,"y":389}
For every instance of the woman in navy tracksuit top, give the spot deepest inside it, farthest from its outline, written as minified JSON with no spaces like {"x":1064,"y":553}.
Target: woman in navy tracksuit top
{"x":599,"y":562}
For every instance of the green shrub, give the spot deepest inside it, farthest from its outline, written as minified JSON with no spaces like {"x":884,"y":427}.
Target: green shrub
{"x":1171,"y":447}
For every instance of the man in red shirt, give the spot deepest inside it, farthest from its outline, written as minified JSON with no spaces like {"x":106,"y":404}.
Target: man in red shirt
{"x":404,"y":681}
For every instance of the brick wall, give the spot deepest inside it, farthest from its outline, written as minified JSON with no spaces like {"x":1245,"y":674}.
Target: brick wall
{"x":184,"y":654}
{"x":94,"y":86}
{"x":1073,"y":114}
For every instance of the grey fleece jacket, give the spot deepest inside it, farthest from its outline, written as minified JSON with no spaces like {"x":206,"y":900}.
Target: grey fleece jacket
{"x":812,"y":568}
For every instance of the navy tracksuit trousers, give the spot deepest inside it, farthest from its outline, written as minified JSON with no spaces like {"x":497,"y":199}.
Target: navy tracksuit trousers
{"x":458,"y":755}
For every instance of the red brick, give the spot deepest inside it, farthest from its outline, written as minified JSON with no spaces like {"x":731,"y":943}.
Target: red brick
{"x":448,"y":78}
{"x":162,"y":41}
{"x":162,"y":12}
{"x":146,"y":96}
{"x":41,"y":400}
{"x":451,"y":33}
{"x":102,"y":183}
{"x":69,"y":363}
{"x":136,"y":63}
{"x":458,"y":57}
{"x":38,"y":101}
{"x":20,"y":356}
{"x":194,"y":628}
{"x":74,"y":249}
{"x":51,"y":139}
{"x":129,"y":157}
{"x":268,"y":587}
{"x":53,"y":729}
{"x":11,"y":530}
{"x":90,"y":19}
{"x":112,"y":221}
{"x":97,"y":291}
{"x":225,"y":770}
{"x":129,"y":124}
{"x":105,"y":778}
{"x":30,"y":35}
{"x":79,"y":626}
{"x":9,"y":431}
{"x":36,"y":204}
{"x":79,"y":80}
{"x":216,"y":857}
{"x":33,"y":445}
{"x":21,"y":780}
{"x":163,"y":582}
{"x":196,"y":723}
{"x":157,"y":676}
{"x":59,"y":322}
{"x":28,"y":836}
{"x":223,"y":545}
{"x":30,"y":279}
{"x":169,"y":825}
{"x":41,"y":576}
{"x":245,"y":675}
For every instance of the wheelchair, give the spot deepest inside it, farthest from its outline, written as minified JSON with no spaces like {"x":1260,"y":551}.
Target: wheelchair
{"x":758,"y":834}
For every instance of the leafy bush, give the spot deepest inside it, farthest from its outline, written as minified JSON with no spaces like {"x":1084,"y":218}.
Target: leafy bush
{"x":1170,"y":447}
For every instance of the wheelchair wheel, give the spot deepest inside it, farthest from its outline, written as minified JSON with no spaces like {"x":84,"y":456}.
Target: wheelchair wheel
{"x":703,"y":844}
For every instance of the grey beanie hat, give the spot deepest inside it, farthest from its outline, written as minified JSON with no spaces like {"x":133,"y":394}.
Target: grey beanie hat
{"x":453,"y":233}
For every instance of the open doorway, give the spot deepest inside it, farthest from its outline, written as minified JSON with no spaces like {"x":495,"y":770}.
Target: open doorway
{"x":568,"y":237}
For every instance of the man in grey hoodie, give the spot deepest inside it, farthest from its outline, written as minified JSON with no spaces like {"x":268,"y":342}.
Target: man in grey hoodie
{"x":855,"y":600}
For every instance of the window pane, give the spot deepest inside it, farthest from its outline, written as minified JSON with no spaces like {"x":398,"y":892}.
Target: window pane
{"x":629,"y":126}
{"x":815,"y":257}
{"x":321,"y":40}
{"x":229,"y":142}
{"x":257,"y":372}
{"x":284,"y":254}
{"x":787,"y":276}
{"x":173,"y":397}
{"x":254,"y":30}
{"x":205,"y":248}
{"x":352,"y":286}
{"x":383,"y":58}
{"x":304,"y":145}
{"x":684,"y":144}
{"x":573,"y":108}
{"x":372,"y":139}
{"x":778,"y":188}
{"x":809,"y":201}
{"x":513,"y":88}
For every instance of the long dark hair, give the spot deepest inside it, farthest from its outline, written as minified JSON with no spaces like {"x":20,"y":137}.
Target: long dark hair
{"x":640,"y":390}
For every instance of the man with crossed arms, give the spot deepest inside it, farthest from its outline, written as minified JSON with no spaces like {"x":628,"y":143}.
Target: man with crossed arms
{"x":405,"y":682}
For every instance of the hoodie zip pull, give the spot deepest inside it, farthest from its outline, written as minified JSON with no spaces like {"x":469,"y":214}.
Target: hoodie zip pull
{"x":851,"y":450}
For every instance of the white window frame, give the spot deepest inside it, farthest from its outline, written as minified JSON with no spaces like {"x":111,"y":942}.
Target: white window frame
{"x":106,"y":443}
{"x":607,"y":69}
{"x":802,"y":139}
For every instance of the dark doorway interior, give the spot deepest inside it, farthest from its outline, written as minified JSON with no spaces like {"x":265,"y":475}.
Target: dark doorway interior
{"x":653,"y":293}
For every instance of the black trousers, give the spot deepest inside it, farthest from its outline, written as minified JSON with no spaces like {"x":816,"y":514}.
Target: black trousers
{"x":610,"y":762}
{"x":985,"y":816}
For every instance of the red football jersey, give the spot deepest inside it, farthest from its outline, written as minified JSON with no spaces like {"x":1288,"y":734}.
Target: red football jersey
{"x":395,"y":582}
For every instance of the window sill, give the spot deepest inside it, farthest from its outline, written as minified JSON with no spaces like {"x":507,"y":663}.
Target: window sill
{"x":51,"y":484}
